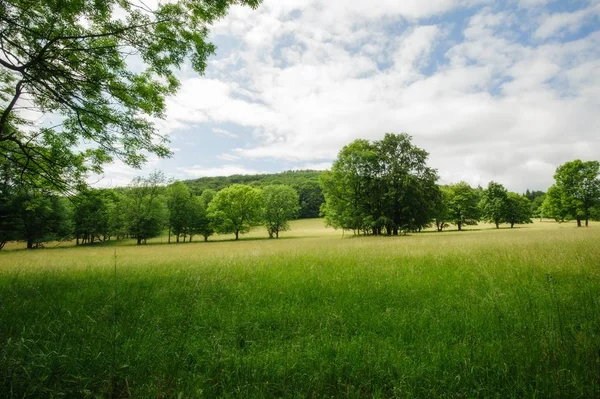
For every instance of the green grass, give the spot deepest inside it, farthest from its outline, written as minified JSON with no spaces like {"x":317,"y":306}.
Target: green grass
{"x":490,"y":313}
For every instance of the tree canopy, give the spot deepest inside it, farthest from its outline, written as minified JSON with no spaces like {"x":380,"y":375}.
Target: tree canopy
{"x":69,"y":60}
{"x":382,"y":186}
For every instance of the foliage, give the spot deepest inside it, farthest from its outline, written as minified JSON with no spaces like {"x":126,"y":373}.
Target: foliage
{"x":69,"y":59}
{"x":517,"y":209}
{"x":378,"y":187}
{"x":180,"y":207}
{"x":305,"y":182}
{"x":493,"y":203}
{"x":462,"y":204}
{"x":578,"y":185}
{"x":45,"y":218}
{"x":145,"y":207}
{"x":91,"y":216}
{"x":236,"y":209}
{"x":280,"y":206}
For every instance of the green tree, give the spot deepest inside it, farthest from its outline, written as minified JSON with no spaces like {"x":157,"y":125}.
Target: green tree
{"x":70,"y":58}
{"x":146,"y":210}
{"x":378,"y":187}
{"x":493,"y":203}
{"x":205,"y":225}
{"x":45,"y":218}
{"x":554,"y":206}
{"x":280,"y":206}
{"x":578,"y":185}
{"x":517,"y":209}
{"x":462,"y":205}
{"x":236,"y":209}
{"x":90,"y":216}
{"x":179,"y":203}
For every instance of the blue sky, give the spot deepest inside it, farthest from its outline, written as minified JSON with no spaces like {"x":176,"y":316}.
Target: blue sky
{"x":502,"y":91}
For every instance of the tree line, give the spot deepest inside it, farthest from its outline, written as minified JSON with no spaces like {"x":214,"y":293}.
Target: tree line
{"x":144,"y":210}
{"x":386,"y":187}
{"x":379,"y":187}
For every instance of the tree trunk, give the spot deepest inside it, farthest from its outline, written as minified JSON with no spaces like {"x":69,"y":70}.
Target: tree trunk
{"x":459,"y":224}
{"x":511,"y":225}
{"x":76,"y":240}
{"x":169,"y":241}
{"x":190,"y":238}
{"x":578,"y":222}
{"x":586,"y":222}
{"x":237,"y":233}
{"x":497,"y":224}
{"x":276,"y":233}
{"x":139,"y":241}
{"x":29,"y":244}
{"x":205,"y":238}
{"x":177,"y":235}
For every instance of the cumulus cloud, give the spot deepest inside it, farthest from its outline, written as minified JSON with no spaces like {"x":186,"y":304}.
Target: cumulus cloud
{"x":477,"y":84}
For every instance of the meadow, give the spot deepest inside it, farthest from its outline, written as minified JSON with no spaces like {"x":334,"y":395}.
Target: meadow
{"x":480,"y":313}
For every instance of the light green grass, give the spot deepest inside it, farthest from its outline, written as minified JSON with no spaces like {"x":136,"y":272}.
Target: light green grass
{"x":492,"y":313}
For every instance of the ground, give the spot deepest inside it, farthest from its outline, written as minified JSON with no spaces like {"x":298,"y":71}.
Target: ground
{"x":485,"y":312}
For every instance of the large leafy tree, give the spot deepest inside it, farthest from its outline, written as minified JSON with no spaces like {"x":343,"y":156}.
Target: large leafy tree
{"x":578,"y":186}
{"x":462,"y":203}
{"x":383,"y":186}
{"x":517,"y":209}
{"x":280,"y":205}
{"x":180,"y":204}
{"x":493,"y":203}
{"x":69,"y":59}
{"x":236,"y":209}
{"x":145,"y":207}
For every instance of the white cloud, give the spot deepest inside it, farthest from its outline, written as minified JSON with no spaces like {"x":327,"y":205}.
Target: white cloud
{"x":308,"y":77}
{"x":225,"y":133}
{"x":555,"y":24}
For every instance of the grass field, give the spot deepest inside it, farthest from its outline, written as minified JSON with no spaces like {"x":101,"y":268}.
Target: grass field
{"x":481,"y":313}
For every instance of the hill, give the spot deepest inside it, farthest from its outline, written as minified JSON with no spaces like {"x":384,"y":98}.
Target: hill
{"x":305,"y":182}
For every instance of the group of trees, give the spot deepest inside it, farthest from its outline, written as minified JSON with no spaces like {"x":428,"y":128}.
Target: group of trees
{"x":386,"y":187}
{"x":575,"y":193}
{"x":141,"y":211}
{"x":463,"y":205}
{"x":380,"y":187}
{"x":305,"y":182}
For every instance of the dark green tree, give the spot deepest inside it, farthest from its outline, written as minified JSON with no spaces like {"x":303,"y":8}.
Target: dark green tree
{"x":517,"y":209}
{"x":146,"y":209}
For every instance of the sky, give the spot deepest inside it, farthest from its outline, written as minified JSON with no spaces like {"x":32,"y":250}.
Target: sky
{"x":493,"y":90}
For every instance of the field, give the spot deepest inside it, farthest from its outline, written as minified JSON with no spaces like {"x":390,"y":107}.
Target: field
{"x":480,"y":313}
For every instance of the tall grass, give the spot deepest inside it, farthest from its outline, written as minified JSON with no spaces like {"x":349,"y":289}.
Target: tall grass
{"x":507,"y":313}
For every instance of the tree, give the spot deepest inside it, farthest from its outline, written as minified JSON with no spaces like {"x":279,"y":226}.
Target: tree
{"x":517,"y":209}
{"x":462,"y":204}
{"x":179,"y":203}
{"x":69,"y":58}
{"x":553,"y":206}
{"x":90,"y":216}
{"x":280,"y":206}
{"x":384,"y":186}
{"x":145,"y":205}
{"x":45,"y":218}
{"x":493,"y":203}
{"x":236,"y":209}
{"x":578,"y":185}
{"x":205,"y":225}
